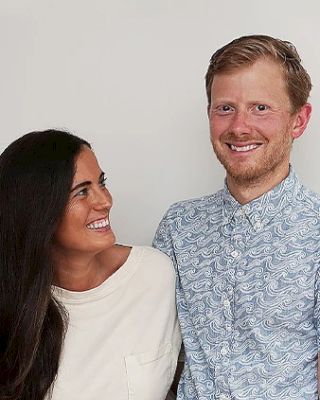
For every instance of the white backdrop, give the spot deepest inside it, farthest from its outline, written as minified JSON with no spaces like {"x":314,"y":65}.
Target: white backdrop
{"x":128,"y":76}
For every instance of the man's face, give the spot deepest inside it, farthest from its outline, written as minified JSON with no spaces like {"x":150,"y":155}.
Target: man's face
{"x":251,"y":123}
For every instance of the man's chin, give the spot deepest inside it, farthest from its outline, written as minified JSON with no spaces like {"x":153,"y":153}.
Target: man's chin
{"x":244,"y":176}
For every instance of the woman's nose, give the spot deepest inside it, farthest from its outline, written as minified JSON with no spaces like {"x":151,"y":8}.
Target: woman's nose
{"x":102,"y":198}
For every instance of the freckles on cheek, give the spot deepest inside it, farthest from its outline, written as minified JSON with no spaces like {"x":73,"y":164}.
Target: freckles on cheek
{"x":270,"y":126}
{"x":217,"y":130}
{"x":270,"y":121}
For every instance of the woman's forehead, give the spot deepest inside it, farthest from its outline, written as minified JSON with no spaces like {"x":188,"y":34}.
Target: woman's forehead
{"x":86,"y":165}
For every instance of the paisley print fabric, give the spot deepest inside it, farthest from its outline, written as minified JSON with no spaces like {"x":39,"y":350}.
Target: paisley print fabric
{"x":247,"y":293}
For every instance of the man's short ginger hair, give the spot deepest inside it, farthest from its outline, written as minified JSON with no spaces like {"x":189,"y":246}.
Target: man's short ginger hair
{"x":246,"y":50}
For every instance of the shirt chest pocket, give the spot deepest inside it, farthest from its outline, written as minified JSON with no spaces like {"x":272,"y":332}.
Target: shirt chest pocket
{"x":150,"y":374}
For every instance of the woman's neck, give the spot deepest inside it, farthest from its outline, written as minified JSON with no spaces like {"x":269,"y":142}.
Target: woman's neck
{"x":78,"y":272}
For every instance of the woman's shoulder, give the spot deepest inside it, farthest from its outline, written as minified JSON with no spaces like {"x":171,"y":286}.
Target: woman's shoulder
{"x":148,"y":253}
{"x":144,"y":258}
{"x":153,"y":263}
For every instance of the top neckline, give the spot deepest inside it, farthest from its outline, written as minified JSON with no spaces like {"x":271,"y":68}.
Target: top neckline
{"x":106,"y":287}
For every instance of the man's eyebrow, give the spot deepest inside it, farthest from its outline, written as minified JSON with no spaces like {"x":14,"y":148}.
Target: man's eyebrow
{"x":86,"y":183}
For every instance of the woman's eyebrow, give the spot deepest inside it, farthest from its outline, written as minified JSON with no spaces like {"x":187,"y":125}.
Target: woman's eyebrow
{"x":86,"y":183}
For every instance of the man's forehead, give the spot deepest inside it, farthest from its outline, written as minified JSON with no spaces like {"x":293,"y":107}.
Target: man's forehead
{"x":240,"y":68}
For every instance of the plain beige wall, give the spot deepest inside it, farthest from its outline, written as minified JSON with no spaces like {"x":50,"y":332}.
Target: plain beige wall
{"x":129,"y":77}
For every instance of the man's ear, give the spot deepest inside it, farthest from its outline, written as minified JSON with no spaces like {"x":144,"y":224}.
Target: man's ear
{"x":301,"y":120}
{"x":208,"y":110}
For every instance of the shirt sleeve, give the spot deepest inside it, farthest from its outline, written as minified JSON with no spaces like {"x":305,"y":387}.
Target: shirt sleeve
{"x":163,"y":238}
{"x":317,"y":305}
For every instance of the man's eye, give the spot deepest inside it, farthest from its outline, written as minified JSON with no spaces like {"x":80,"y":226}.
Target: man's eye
{"x":226,"y":108}
{"x":261,"y":107}
{"x":221,"y":110}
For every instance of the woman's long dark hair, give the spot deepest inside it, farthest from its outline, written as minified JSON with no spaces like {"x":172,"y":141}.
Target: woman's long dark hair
{"x":36,"y":173}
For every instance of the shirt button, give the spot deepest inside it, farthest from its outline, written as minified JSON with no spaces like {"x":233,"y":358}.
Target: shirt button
{"x":228,"y":328}
{"x":226,"y":303}
{"x":239,"y":212}
{"x":258,"y":226}
{"x":235,"y":253}
{"x":224,"y":351}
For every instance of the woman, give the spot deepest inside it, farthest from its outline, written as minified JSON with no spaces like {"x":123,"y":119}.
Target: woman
{"x":80,"y":316}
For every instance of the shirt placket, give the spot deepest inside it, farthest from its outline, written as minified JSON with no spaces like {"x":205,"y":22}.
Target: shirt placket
{"x":236,"y":232}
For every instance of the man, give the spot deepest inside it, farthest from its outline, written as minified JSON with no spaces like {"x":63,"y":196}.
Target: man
{"x":247,"y":257}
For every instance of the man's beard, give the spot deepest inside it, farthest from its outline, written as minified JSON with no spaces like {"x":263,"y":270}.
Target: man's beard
{"x":252,"y":173}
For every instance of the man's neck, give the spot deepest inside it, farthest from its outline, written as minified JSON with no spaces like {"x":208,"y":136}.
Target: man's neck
{"x":245,"y":191}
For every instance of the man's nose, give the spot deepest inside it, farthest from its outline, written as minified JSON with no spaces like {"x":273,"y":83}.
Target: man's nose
{"x":240,"y":123}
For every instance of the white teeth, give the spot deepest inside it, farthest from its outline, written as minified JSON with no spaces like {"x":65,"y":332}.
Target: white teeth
{"x":102,"y":223}
{"x":243,"y":148}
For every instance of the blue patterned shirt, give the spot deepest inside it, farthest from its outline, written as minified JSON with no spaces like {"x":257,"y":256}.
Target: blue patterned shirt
{"x":247,"y":293}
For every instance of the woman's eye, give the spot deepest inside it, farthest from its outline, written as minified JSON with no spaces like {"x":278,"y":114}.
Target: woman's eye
{"x":103,"y":182}
{"x":82,"y":192}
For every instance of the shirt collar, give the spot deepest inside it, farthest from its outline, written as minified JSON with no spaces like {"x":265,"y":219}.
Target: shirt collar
{"x":262,"y":210}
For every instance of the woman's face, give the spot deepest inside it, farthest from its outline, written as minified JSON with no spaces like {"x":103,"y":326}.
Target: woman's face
{"x":85,"y":226}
